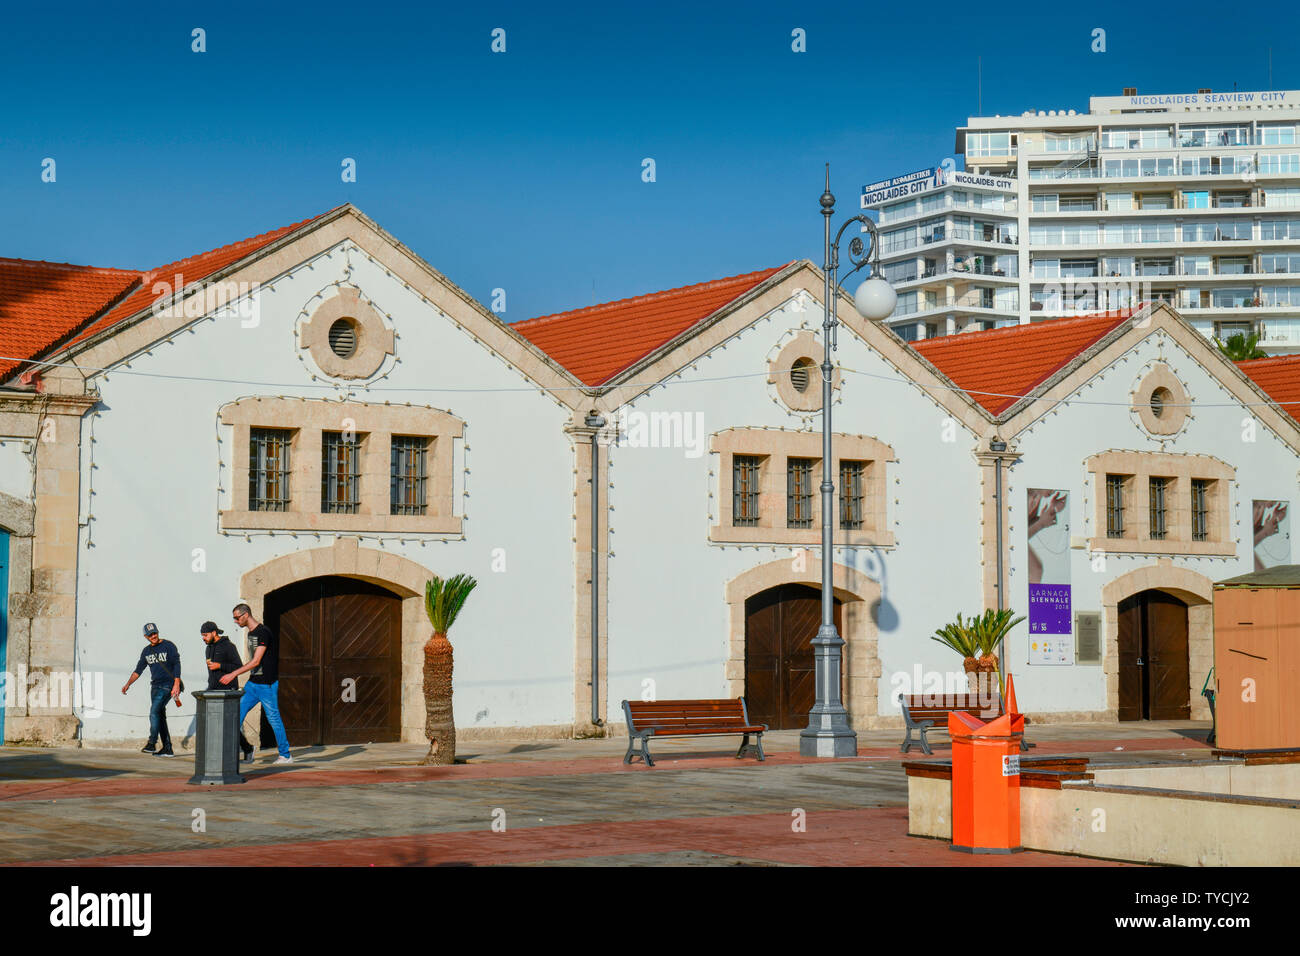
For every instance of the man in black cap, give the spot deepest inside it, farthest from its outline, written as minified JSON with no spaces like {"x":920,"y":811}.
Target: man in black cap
{"x":222,"y":658}
{"x":164,"y":663}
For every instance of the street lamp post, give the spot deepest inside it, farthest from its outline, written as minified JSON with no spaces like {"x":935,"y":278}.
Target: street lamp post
{"x":828,"y":733}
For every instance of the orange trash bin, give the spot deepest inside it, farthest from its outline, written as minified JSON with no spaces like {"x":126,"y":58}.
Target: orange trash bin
{"x":986,"y":780}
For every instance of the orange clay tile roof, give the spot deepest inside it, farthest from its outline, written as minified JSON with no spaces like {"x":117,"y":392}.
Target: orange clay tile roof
{"x":598,"y":342}
{"x":44,"y":305}
{"x":192,"y":269}
{"x":1279,"y":377}
{"x":1015,"y":360}
{"x":42,"y":302}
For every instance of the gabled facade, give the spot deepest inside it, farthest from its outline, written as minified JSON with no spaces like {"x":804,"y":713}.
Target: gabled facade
{"x":316,"y":421}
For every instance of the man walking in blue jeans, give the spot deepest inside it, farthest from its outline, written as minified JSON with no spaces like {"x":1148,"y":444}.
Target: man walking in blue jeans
{"x":164,"y":663}
{"x":263,"y":684}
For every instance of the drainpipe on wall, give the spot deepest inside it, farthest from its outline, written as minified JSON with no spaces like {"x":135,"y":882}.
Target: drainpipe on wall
{"x":595,"y":421}
{"x":998,"y":445}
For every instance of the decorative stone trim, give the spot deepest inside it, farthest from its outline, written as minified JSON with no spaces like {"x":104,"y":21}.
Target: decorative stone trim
{"x":580,"y":441}
{"x":1173,"y":413}
{"x":860,"y":674}
{"x":745,"y":314}
{"x":806,"y":346}
{"x":375,"y":425}
{"x":347,"y":224}
{"x":374,"y":340}
{"x":1139,"y":467}
{"x":43,"y":553}
{"x":776,"y":446}
{"x":18,"y":517}
{"x":345,"y":558}
{"x":989,"y":520}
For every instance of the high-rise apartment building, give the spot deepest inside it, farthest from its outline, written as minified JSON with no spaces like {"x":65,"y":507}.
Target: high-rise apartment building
{"x":1192,"y":199}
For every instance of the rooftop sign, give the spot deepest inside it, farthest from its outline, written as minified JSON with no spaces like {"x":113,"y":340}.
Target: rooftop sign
{"x":1188,"y":101}
{"x":924,"y":180}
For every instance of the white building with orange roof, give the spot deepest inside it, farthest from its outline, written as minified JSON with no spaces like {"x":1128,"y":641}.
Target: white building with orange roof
{"x":316,"y":421}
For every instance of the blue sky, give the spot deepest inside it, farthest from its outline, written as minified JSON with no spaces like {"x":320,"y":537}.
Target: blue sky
{"x":522,"y":170}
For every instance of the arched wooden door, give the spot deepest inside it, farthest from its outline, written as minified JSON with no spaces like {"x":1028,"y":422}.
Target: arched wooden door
{"x":340,"y":661}
{"x":1154,"y":671}
{"x":780,"y":680}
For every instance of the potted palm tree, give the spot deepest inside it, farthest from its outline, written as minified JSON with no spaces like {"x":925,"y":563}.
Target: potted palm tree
{"x":959,"y":638}
{"x":443,"y":600}
{"x":977,"y":642}
{"x":987,"y":633}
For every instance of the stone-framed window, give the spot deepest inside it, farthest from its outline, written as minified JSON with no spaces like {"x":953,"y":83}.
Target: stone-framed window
{"x":408,"y":476}
{"x":785,"y":506}
{"x":269,"y":468}
{"x":852,"y":493}
{"x":340,"y":472}
{"x":342,"y":465}
{"x":1153,"y":503}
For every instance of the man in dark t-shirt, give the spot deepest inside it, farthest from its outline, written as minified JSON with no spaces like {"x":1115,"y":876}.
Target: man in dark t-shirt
{"x":263,"y":685}
{"x":222,"y":658}
{"x":164,"y":663}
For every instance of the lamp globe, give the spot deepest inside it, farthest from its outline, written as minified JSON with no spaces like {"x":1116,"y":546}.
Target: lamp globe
{"x":875,"y":299}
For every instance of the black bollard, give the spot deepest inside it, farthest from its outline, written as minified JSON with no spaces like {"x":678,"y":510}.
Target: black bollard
{"x":216,"y":748}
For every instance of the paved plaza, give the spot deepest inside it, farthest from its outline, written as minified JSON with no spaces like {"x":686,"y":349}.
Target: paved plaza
{"x":558,"y":802}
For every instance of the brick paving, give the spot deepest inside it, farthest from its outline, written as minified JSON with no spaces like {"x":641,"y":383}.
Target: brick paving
{"x":562,"y":802}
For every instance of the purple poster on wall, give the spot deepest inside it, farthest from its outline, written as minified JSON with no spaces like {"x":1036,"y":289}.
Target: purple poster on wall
{"x":1049,"y":609}
{"x":1051,"y":625}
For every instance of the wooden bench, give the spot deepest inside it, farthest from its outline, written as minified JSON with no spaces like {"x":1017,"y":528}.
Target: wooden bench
{"x":688,"y":718}
{"x":927,"y":712}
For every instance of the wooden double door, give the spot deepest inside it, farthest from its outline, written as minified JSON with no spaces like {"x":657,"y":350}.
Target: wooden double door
{"x":1153,"y":665}
{"x":340,"y":661}
{"x":780,"y":677}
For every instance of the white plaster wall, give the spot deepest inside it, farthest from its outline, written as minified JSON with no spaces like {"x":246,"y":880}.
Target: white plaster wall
{"x":668,"y":612}
{"x":1053,"y":454}
{"x":155,"y":483}
{"x":16,"y":467}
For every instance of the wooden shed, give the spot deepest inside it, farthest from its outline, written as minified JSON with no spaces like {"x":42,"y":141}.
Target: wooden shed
{"x":1257,"y":660}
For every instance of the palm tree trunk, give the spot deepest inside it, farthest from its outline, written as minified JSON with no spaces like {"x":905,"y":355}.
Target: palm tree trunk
{"x":439,"y":723}
{"x":988,"y":680}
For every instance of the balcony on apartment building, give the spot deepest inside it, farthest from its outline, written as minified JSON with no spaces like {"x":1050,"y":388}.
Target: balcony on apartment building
{"x":975,"y":300}
{"x":992,"y":205}
{"x":1249,"y":268}
{"x":1204,"y":167}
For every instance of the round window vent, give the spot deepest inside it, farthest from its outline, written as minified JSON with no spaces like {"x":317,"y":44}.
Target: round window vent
{"x":1159,"y":399}
{"x":343,"y":338}
{"x":801,"y":374}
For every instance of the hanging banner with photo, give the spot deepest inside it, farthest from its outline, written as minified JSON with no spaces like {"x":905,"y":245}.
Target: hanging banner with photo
{"x":1051,"y":625}
{"x":1272,"y":534}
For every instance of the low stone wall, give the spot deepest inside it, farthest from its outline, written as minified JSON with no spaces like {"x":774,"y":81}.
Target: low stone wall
{"x":1146,"y":824}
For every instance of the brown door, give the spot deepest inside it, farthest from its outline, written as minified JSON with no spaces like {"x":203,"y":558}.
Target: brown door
{"x":780,"y":679}
{"x":1153,"y":664}
{"x":340,"y":661}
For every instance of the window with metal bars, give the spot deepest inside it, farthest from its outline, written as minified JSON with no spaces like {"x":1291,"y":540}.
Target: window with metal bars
{"x":744,"y":490}
{"x":1115,"y":506}
{"x":340,"y":475}
{"x":1201,"y":509}
{"x":852,"y":480}
{"x":799,"y":495}
{"x":408,"y":475}
{"x":1159,"y":516}
{"x":268,"y":469}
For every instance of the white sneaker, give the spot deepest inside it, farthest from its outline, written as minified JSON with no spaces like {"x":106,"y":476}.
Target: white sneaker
{"x":284,"y":760}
